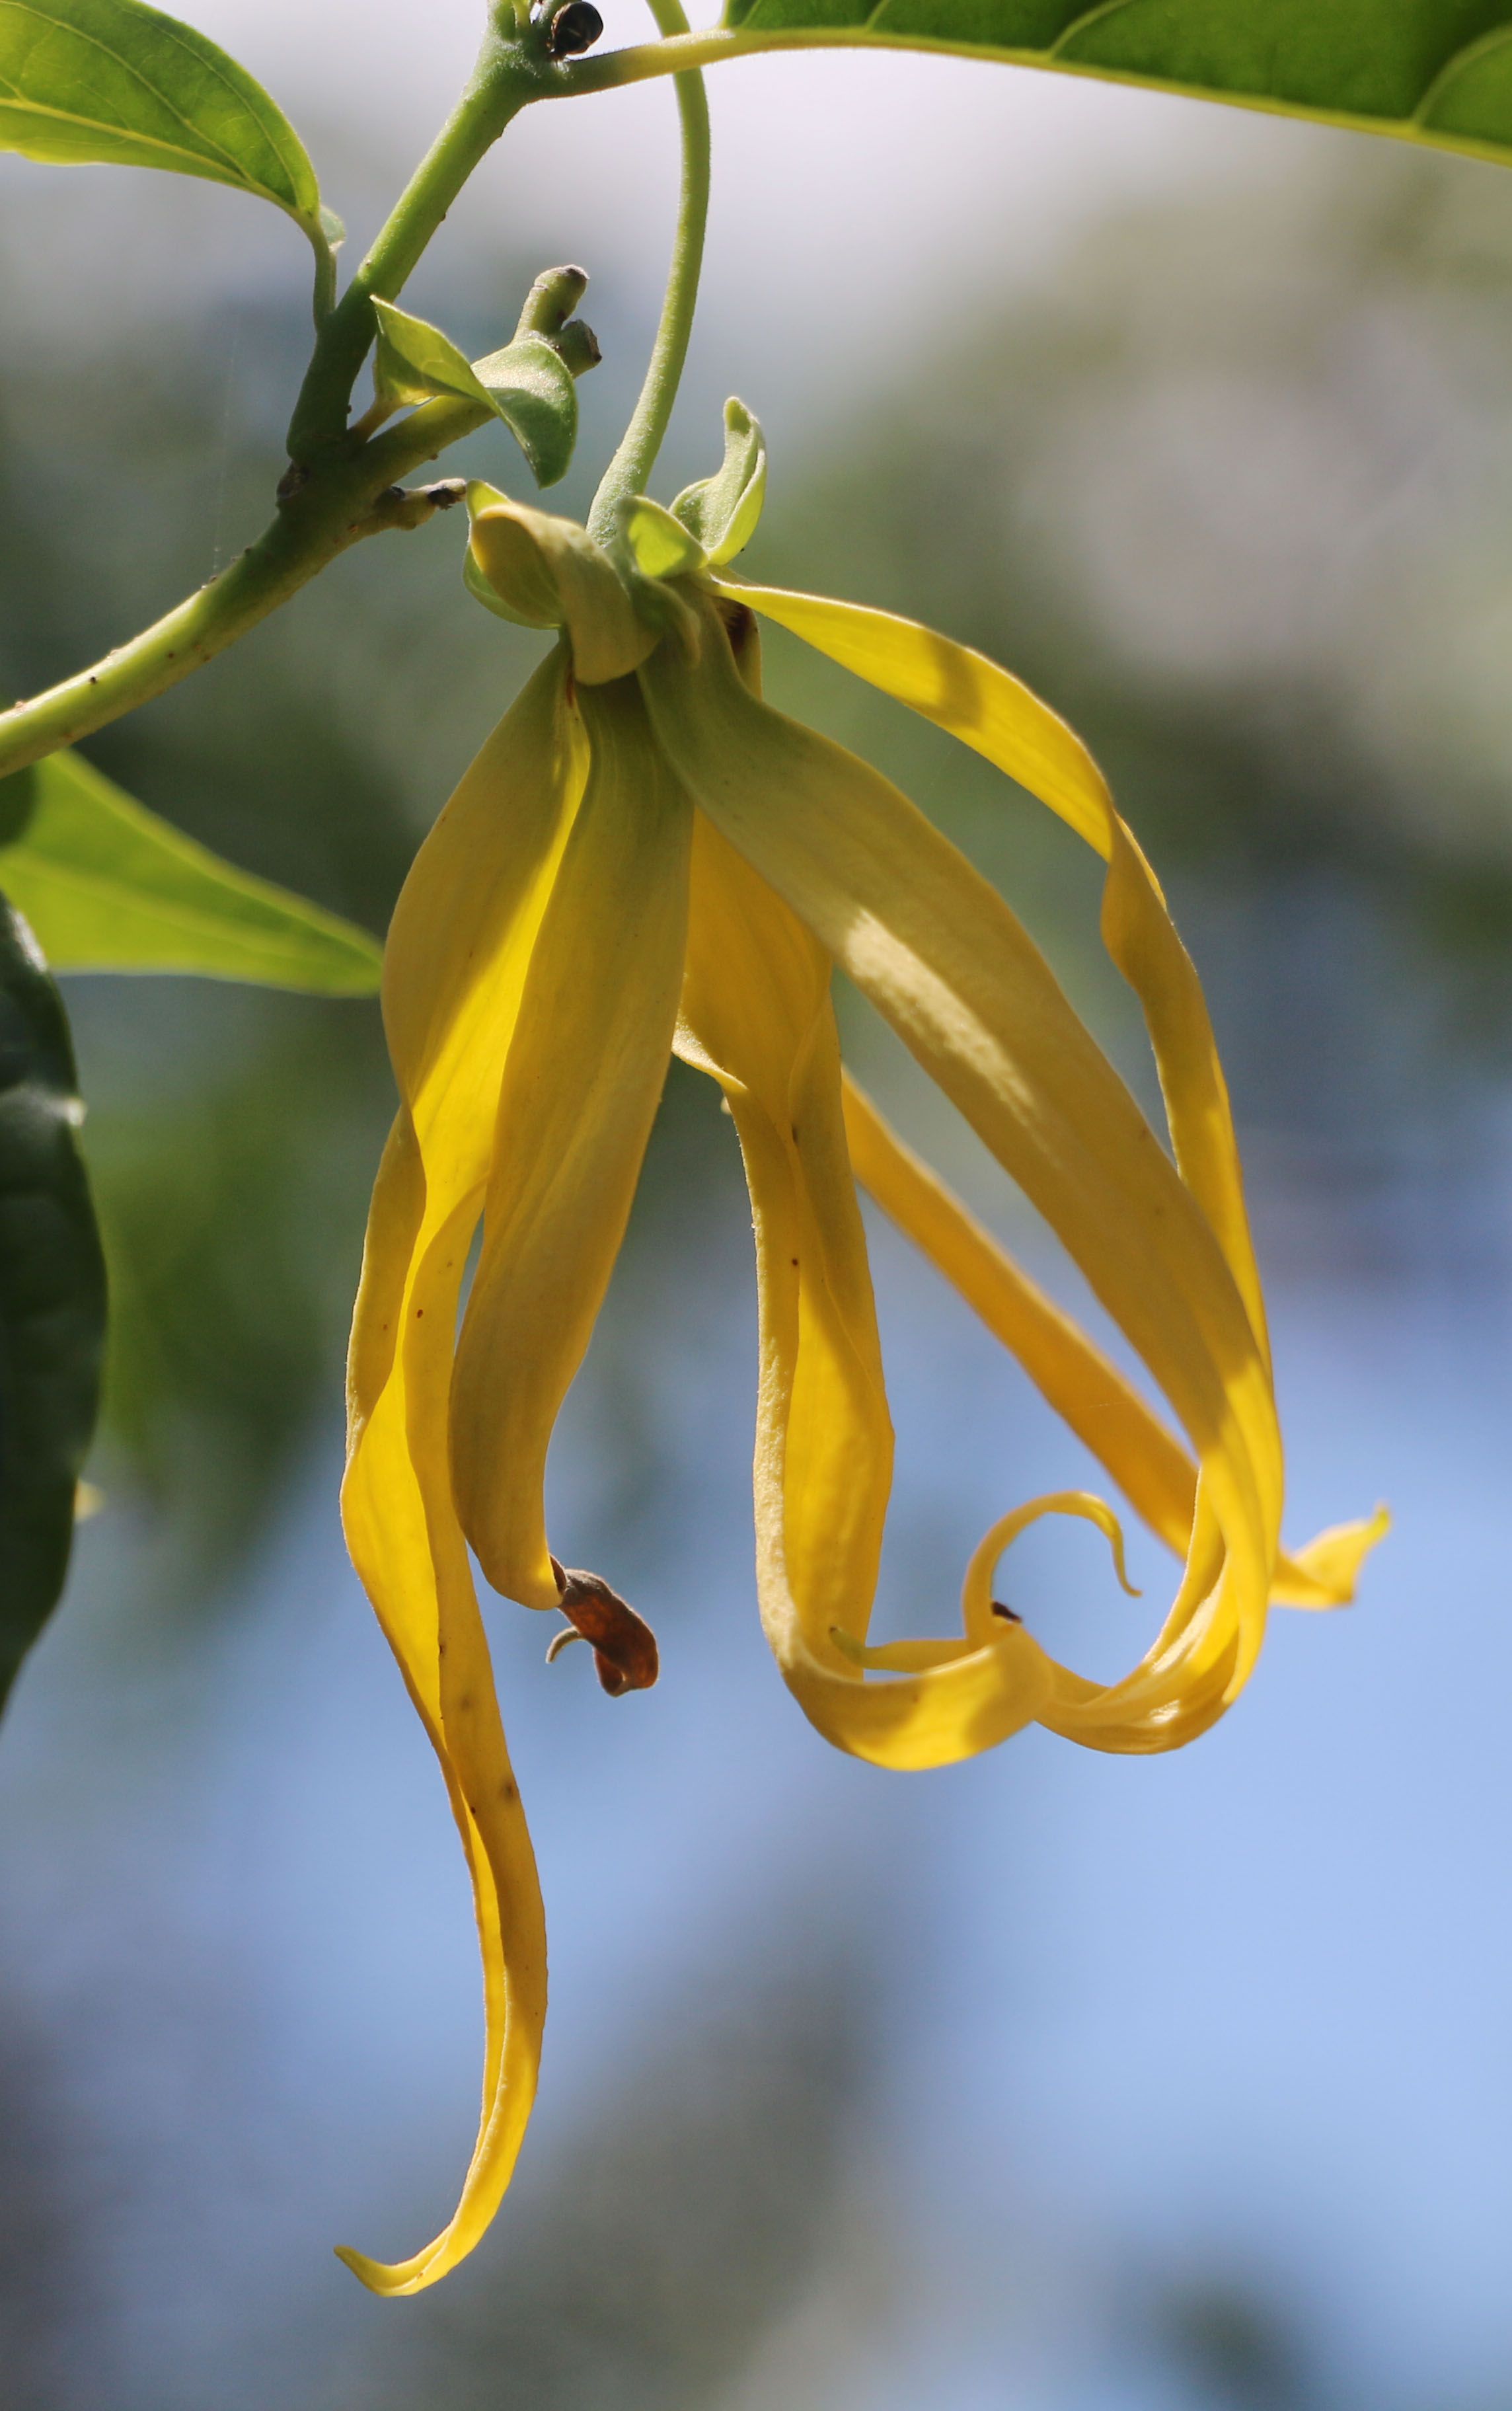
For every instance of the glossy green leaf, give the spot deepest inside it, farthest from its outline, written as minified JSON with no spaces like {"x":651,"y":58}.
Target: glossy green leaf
{"x":722,"y":511}
{"x":116,"y":81}
{"x":51,"y":1295}
{"x":108,"y":887}
{"x":1435,"y":71}
{"x":528,"y":385}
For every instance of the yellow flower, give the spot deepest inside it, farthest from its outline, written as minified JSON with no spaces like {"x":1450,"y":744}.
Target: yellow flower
{"x":644,"y":858}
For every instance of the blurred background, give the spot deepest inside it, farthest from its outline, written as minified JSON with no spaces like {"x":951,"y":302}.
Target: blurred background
{"x":1052,"y":2083}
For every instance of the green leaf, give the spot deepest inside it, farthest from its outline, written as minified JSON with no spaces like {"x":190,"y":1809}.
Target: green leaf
{"x":108,"y":887}
{"x":51,"y":1295}
{"x":722,"y":511}
{"x":1436,"y":71}
{"x":116,"y":81}
{"x":528,"y":385}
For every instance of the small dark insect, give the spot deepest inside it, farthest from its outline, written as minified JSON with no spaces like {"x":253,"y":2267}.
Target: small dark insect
{"x":575,"y":27}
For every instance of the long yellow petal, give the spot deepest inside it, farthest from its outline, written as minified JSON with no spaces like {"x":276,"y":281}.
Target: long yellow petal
{"x":458,"y":949}
{"x":983,"y":704}
{"x":757,"y":1017}
{"x":939,"y":952}
{"x":1105,"y":1412}
{"x":995,"y":713}
{"x":585,"y":1072}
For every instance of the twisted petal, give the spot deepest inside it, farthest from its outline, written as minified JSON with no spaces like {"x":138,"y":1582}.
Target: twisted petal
{"x":945,"y":960}
{"x":756,"y":1015}
{"x":1000,"y":718}
{"x":587,"y":1063}
{"x":1089,"y":1393}
{"x":455,"y":970}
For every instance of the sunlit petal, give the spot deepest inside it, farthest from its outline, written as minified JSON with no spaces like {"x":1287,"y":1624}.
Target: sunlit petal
{"x":583,"y":1073}
{"x":756,"y":1013}
{"x":1073,"y":1376}
{"x":458,"y":949}
{"x":943,"y":958}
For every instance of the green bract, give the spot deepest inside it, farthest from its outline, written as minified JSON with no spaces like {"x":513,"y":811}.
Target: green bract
{"x":528,"y":385}
{"x":722,"y":511}
{"x":51,"y":1295}
{"x":108,"y":887}
{"x":542,"y":572}
{"x":659,"y":545}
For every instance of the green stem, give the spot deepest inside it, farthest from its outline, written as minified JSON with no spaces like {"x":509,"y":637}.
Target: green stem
{"x":349,"y":489}
{"x":504,"y":77}
{"x":632,"y":462}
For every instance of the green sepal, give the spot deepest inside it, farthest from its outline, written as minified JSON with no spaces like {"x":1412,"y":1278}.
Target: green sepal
{"x":722,"y":511}
{"x":51,"y":1295}
{"x":659,"y":545}
{"x":549,"y":573}
{"x":528,"y":385}
{"x":118,"y":83}
{"x":481,"y":496}
{"x":108,"y":887}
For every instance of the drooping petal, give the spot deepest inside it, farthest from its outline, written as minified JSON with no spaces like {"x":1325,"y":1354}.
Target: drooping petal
{"x":1087,"y":1389}
{"x":940,"y":954}
{"x":756,"y":1015}
{"x":983,"y":704}
{"x":999,"y":717}
{"x":586,"y":1068}
{"x":459,"y":948}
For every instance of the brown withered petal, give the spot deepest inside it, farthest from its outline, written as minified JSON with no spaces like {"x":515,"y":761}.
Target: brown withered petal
{"x":624,"y":1645}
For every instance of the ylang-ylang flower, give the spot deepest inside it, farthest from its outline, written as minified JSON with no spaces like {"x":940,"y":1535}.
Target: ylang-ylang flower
{"x":646,"y":857}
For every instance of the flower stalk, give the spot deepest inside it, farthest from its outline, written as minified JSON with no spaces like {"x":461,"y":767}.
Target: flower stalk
{"x":504,"y":79}
{"x":635,"y":458}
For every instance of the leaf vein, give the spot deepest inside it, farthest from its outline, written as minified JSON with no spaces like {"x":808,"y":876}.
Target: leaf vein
{"x":203,"y":146}
{"x":1483,"y":48}
{"x":1079,"y":24}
